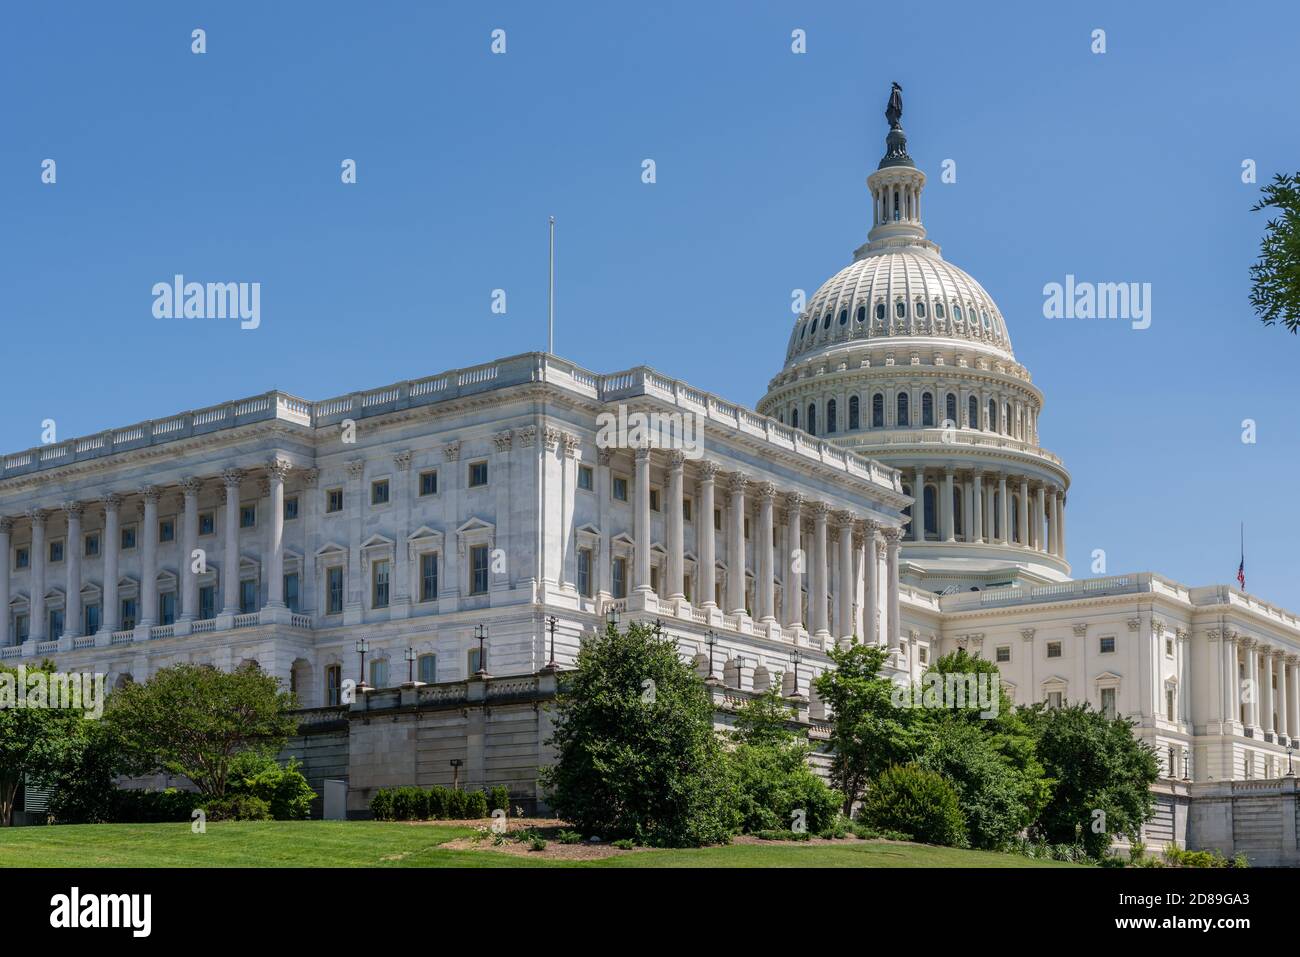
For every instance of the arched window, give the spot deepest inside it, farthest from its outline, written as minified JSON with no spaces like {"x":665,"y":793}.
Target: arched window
{"x":803,"y":330}
{"x":956,"y":313}
{"x":951,"y":407}
{"x":900,"y":309}
{"x":931,"y":512}
{"x":812,"y":419}
{"x":878,"y":411}
{"x":862,"y":313}
{"x":1015,"y":518}
{"x":880,"y":310}
{"x":902,"y":409}
{"x":826,"y":323}
{"x":957,"y":526}
{"x":794,"y":418}
{"x":830,"y":417}
{"x":974,"y":410}
{"x":895,"y":205}
{"x":920,"y":309}
{"x":844,"y":316}
{"x":927,"y":410}
{"x":993,"y":415}
{"x":854,"y":420}
{"x":938,"y":310}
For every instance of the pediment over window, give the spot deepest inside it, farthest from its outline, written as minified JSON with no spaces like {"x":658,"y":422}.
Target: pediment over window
{"x":377,"y":541}
{"x":90,"y":592}
{"x":474,"y":532}
{"x":1112,"y":677}
{"x":127,"y":587}
{"x":622,"y":544}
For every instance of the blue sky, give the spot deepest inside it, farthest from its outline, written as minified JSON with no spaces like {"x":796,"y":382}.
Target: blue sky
{"x":1124,"y":166}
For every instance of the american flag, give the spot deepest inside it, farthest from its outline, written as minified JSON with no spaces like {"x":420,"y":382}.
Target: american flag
{"x":1241,"y":569}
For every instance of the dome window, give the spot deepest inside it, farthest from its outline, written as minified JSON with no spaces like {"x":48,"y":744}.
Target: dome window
{"x":853,"y":413}
{"x":862,"y":313}
{"x":938,"y":310}
{"x":985,"y":317}
{"x":900,"y":309}
{"x":920,"y":310}
{"x":826,"y":323}
{"x":844,"y":316}
{"x":794,"y":418}
{"x":811,"y":427}
{"x":927,"y":410}
{"x":803,"y":330}
{"x":902,"y":410}
{"x":956,"y":313}
{"x":880,"y":310}
{"x":950,"y":407}
{"x":878,"y":411}
{"x":831,"y":420}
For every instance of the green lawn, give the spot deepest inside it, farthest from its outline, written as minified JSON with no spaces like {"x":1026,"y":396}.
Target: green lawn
{"x":376,"y":844}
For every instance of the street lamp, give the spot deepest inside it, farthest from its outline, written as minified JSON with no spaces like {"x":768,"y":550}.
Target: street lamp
{"x":659,"y":628}
{"x":363,"y":646}
{"x":611,"y":616}
{"x":796,"y":657}
{"x":481,"y":635}
{"x":711,"y":639}
{"x":410,"y":667}
{"x":551,"y":622}
{"x":1290,"y":771}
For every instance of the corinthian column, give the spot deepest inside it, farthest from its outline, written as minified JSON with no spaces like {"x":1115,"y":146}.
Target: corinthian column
{"x":764,"y":554}
{"x":641,"y":516}
{"x":149,"y":559}
{"x":736,"y":547}
{"x":37,"y":617}
{"x":871,"y":599}
{"x":276,"y":470}
{"x":1024,"y":512}
{"x":793,"y":589}
{"x":819,"y":594}
{"x":705,"y":537}
{"x":230,"y":571}
{"x":891,"y":576}
{"x":112,"y":545}
{"x":189,"y":542}
{"x":72,"y":559}
{"x":6,"y":529}
{"x":845,"y":525}
{"x":676,"y":531}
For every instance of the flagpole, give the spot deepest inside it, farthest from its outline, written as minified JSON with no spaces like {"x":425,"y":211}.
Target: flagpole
{"x":550,"y":295}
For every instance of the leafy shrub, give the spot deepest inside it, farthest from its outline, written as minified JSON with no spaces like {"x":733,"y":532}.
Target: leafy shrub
{"x":917,"y":802}
{"x":1112,"y":860}
{"x":476,"y":804}
{"x":775,"y":834}
{"x":498,"y":799}
{"x":284,"y":789}
{"x":133,"y":806}
{"x":537,"y":843}
{"x":457,"y":805}
{"x":436,"y":802}
{"x":865,"y":833}
{"x":239,"y":807}
{"x":838,"y":828}
{"x":569,"y":837}
{"x":381,"y":805}
{"x":1177,"y":857}
{"x":410,"y":804}
{"x":624,"y":844}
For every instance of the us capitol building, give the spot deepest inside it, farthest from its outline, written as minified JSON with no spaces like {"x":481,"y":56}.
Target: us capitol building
{"x":445,"y":543}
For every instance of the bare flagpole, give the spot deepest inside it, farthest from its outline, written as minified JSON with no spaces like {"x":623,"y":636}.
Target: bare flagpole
{"x":550,"y":298}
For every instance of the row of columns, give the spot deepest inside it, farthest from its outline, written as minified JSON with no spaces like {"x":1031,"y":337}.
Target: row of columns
{"x":1248,"y":672}
{"x":986,"y":506}
{"x":853,"y":562}
{"x":110,"y":545}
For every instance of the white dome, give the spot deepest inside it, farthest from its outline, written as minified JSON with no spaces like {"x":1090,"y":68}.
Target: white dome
{"x":899,"y":291}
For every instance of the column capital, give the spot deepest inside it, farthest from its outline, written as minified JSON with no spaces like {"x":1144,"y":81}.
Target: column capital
{"x":642,"y":454}
{"x":6,"y":524}
{"x":1182,"y":634}
{"x":232,"y":477}
{"x":504,"y":441}
{"x":676,"y":460}
{"x":451,"y":450}
{"x":1293,"y":660}
{"x":310,"y":477}
{"x":151,"y":494}
{"x":402,"y":460}
{"x":708,"y":470}
{"x":892,"y":536}
{"x":111,"y":502}
{"x":356,"y":467}
{"x":1028,"y":633}
{"x":72,"y":508}
{"x":794,"y":501}
{"x":571,"y":443}
{"x":604,"y":456}
{"x":1247,"y":643}
{"x":37,"y":516}
{"x":820,"y":511}
{"x":1081,"y":629}
{"x":277,"y":467}
{"x":191,"y":486}
{"x":766,"y":492}
{"x":843,"y":520}
{"x":736,"y":483}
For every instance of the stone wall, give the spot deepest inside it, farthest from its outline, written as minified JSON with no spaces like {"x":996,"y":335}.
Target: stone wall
{"x":1255,"y":818}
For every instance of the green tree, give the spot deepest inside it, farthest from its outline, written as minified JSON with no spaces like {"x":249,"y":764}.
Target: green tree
{"x":193,"y":719}
{"x":869,"y":733}
{"x":82,"y":774}
{"x":1102,"y":773}
{"x":31,"y":739}
{"x":1275,"y":276}
{"x":636,"y":752}
{"x":918,"y":802}
{"x":770,"y":765}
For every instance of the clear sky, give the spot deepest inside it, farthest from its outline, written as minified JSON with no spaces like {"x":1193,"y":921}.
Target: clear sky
{"x":1122,"y":166}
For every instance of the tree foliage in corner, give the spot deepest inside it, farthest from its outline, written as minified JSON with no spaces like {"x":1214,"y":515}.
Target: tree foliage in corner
{"x":193,"y":719}
{"x":1275,"y":277}
{"x":1103,"y":776}
{"x":636,"y":752}
{"x":31,"y":739}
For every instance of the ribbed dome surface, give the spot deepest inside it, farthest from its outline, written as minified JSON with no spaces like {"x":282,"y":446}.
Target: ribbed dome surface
{"x":899,"y":291}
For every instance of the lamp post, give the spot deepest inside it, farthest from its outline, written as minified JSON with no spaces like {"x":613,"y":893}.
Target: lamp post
{"x":363,"y":646}
{"x":410,"y":667}
{"x":711,"y":639}
{"x":481,"y":634}
{"x":1290,"y":771}
{"x":659,"y":628}
{"x":796,"y":657}
{"x":611,"y":617}
{"x":551,"y":622}
{"x":455,"y":773}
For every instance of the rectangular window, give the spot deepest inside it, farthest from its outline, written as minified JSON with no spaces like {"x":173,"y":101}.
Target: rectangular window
{"x":429,"y":482}
{"x":686,"y":509}
{"x":619,"y":575}
{"x":334,"y":500}
{"x":92,"y":545}
{"x":586,"y":478}
{"x":1170,"y":699}
{"x":654,"y":579}
{"x":478,"y":474}
{"x":619,"y":489}
{"x":584,"y":572}
{"x":478,"y":565}
{"x":923,"y":653}
{"x":56,"y":624}
{"x":290,"y":508}
{"x":379,"y":492}
{"x":90,"y":620}
{"x":428,"y":665}
{"x":128,"y":538}
{"x":1053,"y":649}
{"x":379,"y":585}
{"x":248,"y":596}
{"x":429,"y":576}
{"x":1054,"y":699}
{"x":1004,"y":654}
{"x":22,"y":558}
{"x":248,"y":516}
{"x":208,"y":523}
{"x":56,"y":551}
{"x":717,"y":519}
{"x":167,"y":530}
{"x":1107,"y":644}
{"x":746,"y":527}
{"x":379,"y":673}
{"x":1108,"y":702}
{"x":291,"y":591}
{"x":167,"y":608}
{"x":21,"y":628}
{"x":654,"y":500}
{"x":334,"y":590}
{"x":333,"y":685}
{"x":207,"y":602}
{"x":129,"y":613}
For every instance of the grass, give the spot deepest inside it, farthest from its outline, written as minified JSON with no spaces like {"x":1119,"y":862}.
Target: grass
{"x":377,"y":844}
